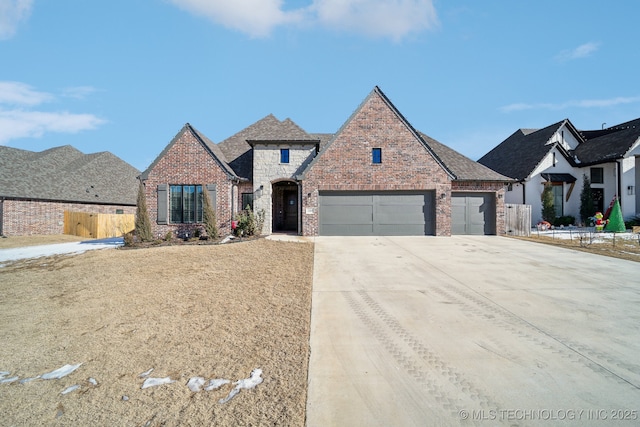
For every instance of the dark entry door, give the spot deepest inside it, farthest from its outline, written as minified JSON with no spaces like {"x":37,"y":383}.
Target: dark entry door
{"x":291,"y":210}
{"x":285,"y":207}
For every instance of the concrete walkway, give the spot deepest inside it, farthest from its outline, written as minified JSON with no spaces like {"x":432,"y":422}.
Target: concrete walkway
{"x":14,"y":254}
{"x":418,"y":331}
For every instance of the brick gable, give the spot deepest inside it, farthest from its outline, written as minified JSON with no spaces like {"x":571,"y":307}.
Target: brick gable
{"x":346,"y":163}
{"x":186,"y":161}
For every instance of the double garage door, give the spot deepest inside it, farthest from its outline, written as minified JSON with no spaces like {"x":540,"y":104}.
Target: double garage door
{"x":363,"y":213}
{"x":402,"y":213}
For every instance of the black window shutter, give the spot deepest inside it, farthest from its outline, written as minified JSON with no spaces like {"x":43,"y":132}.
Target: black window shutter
{"x":163,"y":208}
{"x":211,"y":188}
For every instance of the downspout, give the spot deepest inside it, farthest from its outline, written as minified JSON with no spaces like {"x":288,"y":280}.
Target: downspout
{"x":233,"y":199}
{"x":300,"y":202}
{"x":618,"y":194}
{"x":1,"y":216}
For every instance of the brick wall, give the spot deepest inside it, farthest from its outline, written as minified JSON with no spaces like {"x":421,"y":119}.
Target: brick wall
{"x":347,"y":164}
{"x":30,"y":217}
{"x":487,"y":187}
{"x":187,"y":162}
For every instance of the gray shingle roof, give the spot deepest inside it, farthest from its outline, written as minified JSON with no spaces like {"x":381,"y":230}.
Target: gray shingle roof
{"x":462,"y":167}
{"x":521,"y":152}
{"x":238,"y":151}
{"x":66,"y":174}
{"x":609,"y":144}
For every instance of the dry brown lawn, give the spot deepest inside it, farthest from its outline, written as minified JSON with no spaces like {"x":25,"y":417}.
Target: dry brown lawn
{"x":213,"y":311}
{"x":628,"y":249}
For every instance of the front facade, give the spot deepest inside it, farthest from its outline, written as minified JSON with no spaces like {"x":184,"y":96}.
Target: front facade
{"x":36,"y":188}
{"x":561,"y":156}
{"x":376,"y":176}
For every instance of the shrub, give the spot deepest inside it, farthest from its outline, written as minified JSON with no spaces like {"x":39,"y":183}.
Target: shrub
{"x":128,"y":238}
{"x":564,"y":221}
{"x":548,"y":209}
{"x":169,"y":236}
{"x":209,"y":218}
{"x":249,"y":223}
{"x":587,"y":204}
{"x":632,"y":222}
{"x":143,"y":224}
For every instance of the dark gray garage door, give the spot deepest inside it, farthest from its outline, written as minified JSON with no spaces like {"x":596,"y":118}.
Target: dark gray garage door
{"x":473,"y":213}
{"x":358,"y":213}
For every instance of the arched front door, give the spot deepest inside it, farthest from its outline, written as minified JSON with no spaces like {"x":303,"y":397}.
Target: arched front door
{"x":285,"y":207}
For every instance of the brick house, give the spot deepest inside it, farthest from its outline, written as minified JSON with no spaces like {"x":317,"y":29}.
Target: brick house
{"x":376,"y":176}
{"x":36,"y":188}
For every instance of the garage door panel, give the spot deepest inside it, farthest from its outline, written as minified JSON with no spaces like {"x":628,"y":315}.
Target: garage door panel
{"x":390,"y":214}
{"x":400,"y":230}
{"x":382,"y":213}
{"x":343,"y":198}
{"x":344,"y":214}
{"x":347,"y":230}
{"x":473,"y":213}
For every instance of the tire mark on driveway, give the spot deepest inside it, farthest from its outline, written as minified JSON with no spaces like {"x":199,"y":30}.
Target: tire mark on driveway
{"x":482,"y":307}
{"x":416,"y":359}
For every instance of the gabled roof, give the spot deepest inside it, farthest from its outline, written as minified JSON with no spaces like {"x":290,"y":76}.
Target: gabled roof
{"x":238,"y":151}
{"x":378,"y":92}
{"x":519,"y":154}
{"x":66,"y":174}
{"x":463,"y":167}
{"x":609,"y":144}
{"x":208,"y":145}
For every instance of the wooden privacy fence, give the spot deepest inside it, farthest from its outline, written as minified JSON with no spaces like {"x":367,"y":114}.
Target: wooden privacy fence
{"x":517,"y":219}
{"x":98,"y":226}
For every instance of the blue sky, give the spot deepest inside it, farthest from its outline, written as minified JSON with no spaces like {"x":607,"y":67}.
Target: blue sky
{"x":125,"y":75}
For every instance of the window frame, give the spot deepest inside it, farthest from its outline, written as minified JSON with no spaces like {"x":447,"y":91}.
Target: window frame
{"x":284,"y":155}
{"x":376,"y":155}
{"x":190,"y":202}
{"x":557,"y":189}
{"x":599,"y":171}
{"x":250,"y":203}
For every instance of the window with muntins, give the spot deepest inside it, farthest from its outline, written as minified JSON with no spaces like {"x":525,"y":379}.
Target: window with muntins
{"x":597,"y":175}
{"x":558,"y":203}
{"x":376,"y":155}
{"x":185,"y":204}
{"x":247,"y":200}
{"x":284,"y":155}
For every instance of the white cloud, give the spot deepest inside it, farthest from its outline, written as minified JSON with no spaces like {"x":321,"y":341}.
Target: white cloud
{"x":17,"y":93}
{"x":254,"y":17}
{"x":376,"y":18}
{"x":582,"y":51}
{"x":19,"y":120}
{"x":585,"y":103}
{"x":12,"y":13}
{"x":78,"y":92}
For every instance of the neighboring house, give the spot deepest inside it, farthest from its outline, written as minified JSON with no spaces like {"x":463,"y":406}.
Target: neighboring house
{"x":561,"y":155}
{"x":376,"y":176}
{"x":37,"y":187}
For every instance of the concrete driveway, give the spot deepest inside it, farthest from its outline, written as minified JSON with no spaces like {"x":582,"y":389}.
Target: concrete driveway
{"x":421,"y":331}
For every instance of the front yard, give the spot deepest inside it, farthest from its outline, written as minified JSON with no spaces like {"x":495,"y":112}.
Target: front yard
{"x":211,"y":311}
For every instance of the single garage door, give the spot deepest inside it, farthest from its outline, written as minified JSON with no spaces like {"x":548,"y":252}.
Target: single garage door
{"x":362,"y":213}
{"x":473,"y":213}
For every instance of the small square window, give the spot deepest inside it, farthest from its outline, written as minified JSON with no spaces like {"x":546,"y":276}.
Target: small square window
{"x":597,"y":175}
{"x":376,"y":155}
{"x":284,"y":155}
